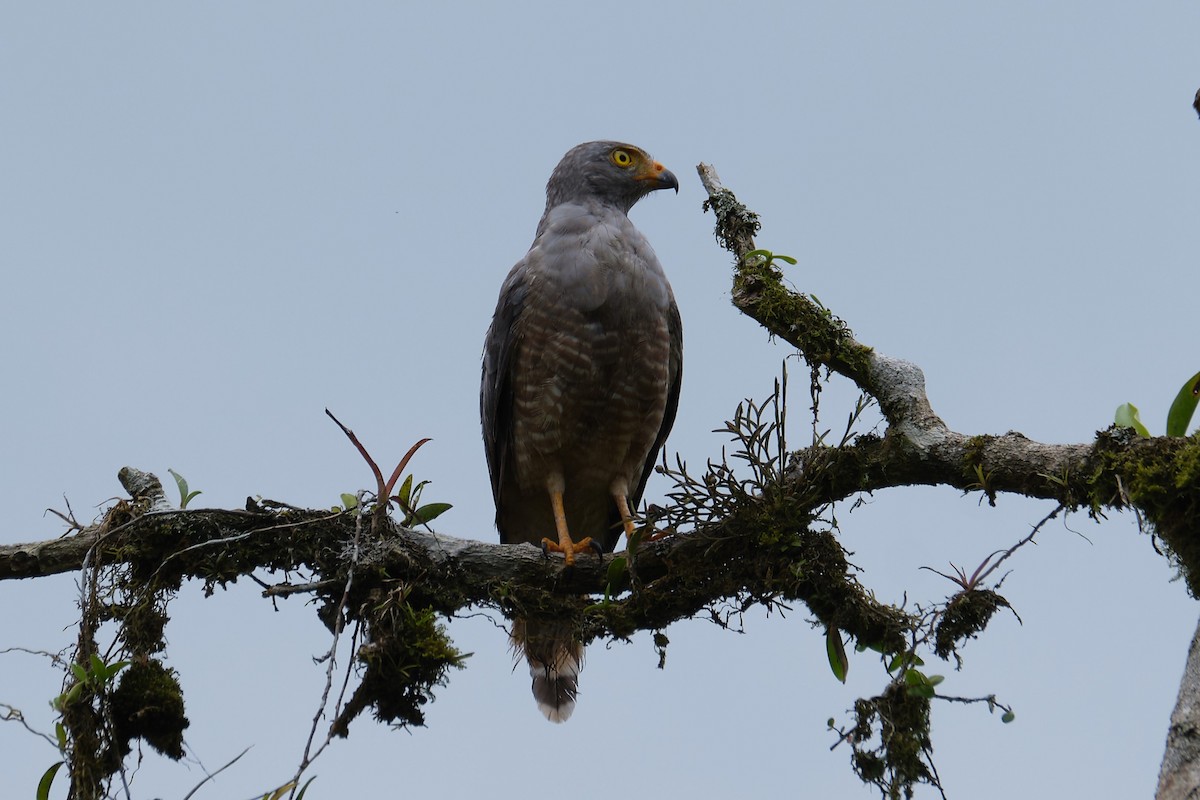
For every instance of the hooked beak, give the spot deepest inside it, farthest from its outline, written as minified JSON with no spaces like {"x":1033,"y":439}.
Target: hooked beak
{"x":661,"y":177}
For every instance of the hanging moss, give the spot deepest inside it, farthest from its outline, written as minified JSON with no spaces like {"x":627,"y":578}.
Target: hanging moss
{"x":407,"y":654}
{"x":1161,"y":478}
{"x":965,"y":616}
{"x":891,"y":741}
{"x":148,"y":705}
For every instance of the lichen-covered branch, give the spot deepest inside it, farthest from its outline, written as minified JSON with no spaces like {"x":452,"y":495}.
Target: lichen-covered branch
{"x":759,"y":292}
{"x":1160,"y":477}
{"x":676,"y":575}
{"x":736,"y":540}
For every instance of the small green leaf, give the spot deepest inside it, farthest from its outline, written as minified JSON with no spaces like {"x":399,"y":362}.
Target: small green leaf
{"x":72,"y":695}
{"x":934,"y":680}
{"x":185,"y":496}
{"x":430,"y":511}
{"x":1127,"y":417}
{"x":922,"y":690}
{"x":60,"y":733}
{"x":919,"y":685}
{"x":79,"y":672}
{"x":835,"y":649}
{"x":349,"y":501}
{"x":1008,"y":717}
{"x":635,"y":541}
{"x":1184,"y":407}
{"x":766,"y":258}
{"x":97,"y":667}
{"x":280,"y":792}
{"x":43,"y":789}
{"x":180,"y":481}
{"x":110,"y":671}
{"x":405,"y":493}
{"x":616,"y":570}
{"x":304,"y":788}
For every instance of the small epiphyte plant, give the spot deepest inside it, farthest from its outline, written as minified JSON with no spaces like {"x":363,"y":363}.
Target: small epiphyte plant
{"x":1178,"y":417}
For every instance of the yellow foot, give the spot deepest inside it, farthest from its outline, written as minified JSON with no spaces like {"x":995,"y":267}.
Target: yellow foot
{"x":569,"y":548}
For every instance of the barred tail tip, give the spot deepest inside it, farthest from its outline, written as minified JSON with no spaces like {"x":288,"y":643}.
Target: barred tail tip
{"x":555,"y":690}
{"x":555,"y":659}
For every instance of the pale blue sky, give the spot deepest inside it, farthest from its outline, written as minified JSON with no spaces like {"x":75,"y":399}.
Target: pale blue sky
{"x":222,"y":218}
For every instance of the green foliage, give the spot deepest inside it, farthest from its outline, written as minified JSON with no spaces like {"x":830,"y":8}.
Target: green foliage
{"x":408,"y":497}
{"x":835,"y":650}
{"x":1183,"y":407}
{"x":92,"y":677}
{"x":43,"y":788}
{"x":282,"y":791}
{"x":185,"y":496}
{"x":617,"y":569}
{"x":765,"y":258}
{"x":1178,"y":417}
{"x":1127,"y":416}
{"x":83,"y":732}
{"x":921,"y":685}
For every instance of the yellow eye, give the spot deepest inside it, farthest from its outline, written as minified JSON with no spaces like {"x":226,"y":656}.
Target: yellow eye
{"x":621,"y":158}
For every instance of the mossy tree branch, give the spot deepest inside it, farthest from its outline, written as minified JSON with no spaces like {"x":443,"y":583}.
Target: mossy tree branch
{"x":1159,"y":477}
{"x":739,"y":542}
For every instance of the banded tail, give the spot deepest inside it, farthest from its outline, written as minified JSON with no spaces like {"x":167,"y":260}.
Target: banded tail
{"x":555,"y":659}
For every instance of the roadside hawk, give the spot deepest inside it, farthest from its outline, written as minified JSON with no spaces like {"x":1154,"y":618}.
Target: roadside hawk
{"x":581,"y":371}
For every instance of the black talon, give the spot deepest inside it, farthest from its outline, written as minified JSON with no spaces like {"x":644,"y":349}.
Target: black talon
{"x":598,"y":548}
{"x":545,"y":550}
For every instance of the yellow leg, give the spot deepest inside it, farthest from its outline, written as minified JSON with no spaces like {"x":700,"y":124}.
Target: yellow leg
{"x":627,"y":520}
{"x":626,"y":517}
{"x":564,"y":544}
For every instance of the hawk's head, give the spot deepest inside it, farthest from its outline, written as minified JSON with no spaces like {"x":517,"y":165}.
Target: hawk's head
{"x":612,"y":172}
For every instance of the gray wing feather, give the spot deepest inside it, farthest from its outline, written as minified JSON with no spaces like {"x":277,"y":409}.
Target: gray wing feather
{"x":496,"y":394}
{"x":675,"y":328}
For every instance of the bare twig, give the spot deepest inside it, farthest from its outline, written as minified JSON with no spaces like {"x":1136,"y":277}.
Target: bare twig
{"x":339,"y":622}
{"x":13,"y":714}
{"x":210,"y":775}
